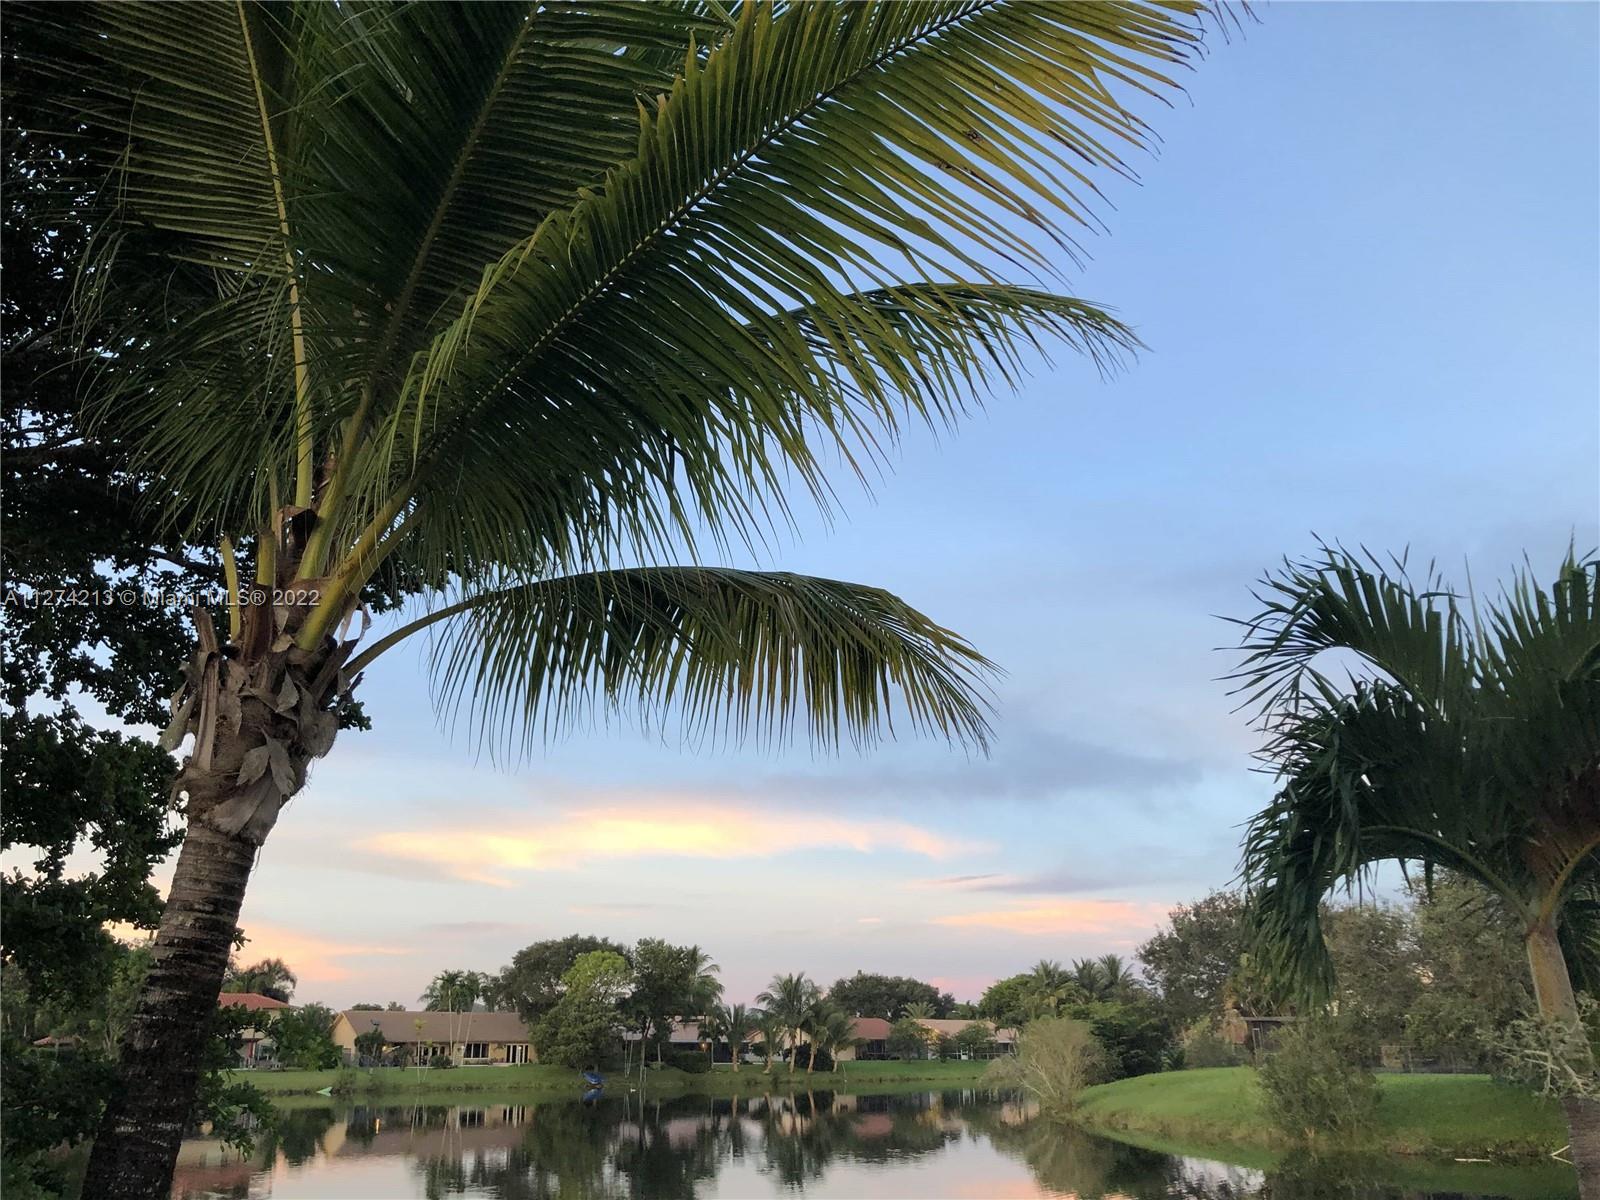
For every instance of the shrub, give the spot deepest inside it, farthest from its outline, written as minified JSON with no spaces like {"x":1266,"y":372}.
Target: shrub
{"x":907,"y":1039}
{"x":1056,"y":1058}
{"x":691,"y":1062}
{"x":1203,"y":1045}
{"x":1316,"y":1084}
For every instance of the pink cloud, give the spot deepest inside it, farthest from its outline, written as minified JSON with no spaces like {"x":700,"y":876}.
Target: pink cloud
{"x":313,"y":959}
{"x":1064,"y":916}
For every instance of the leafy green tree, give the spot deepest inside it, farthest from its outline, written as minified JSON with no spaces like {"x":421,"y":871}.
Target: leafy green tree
{"x":372,"y":321}
{"x":1190,"y":962}
{"x":532,"y":981}
{"x":790,"y":998}
{"x":1466,"y":738}
{"x":303,"y":1036}
{"x":976,"y":1040}
{"x":584,"y":1027}
{"x":1317,"y":1085}
{"x":669,"y":982}
{"x":888,"y":996}
{"x":269,"y":977}
{"x":1009,"y":1001}
{"x":907,"y":1039}
{"x":1134,"y":1033}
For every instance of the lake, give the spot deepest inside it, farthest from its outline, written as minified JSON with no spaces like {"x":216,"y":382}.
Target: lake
{"x":919,"y":1146}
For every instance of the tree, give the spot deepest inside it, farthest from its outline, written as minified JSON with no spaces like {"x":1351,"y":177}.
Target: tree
{"x":834,"y":1033}
{"x":358,"y":294}
{"x":976,"y":1040}
{"x":1056,"y":1058}
{"x":668,"y":982}
{"x":1190,"y":962}
{"x":921,"y":1010}
{"x":1008,"y":1001}
{"x":583,"y":1028}
{"x":731,"y":1023}
{"x":1466,"y":738}
{"x":908,"y":1039}
{"x":454,"y":992}
{"x":888,"y":996}
{"x":772,"y":1029}
{"x":790,"y":998}
{"x":303,"y":1036}
{"x":269,"y":977}
{"x":532,"y":982}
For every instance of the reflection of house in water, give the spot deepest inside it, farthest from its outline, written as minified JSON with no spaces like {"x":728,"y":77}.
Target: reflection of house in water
{"x":428,"y":1130}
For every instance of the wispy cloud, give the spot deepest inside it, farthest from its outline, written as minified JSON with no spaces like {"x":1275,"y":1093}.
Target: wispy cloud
{"x":488,"y":853}
{"x":1064,"y":917}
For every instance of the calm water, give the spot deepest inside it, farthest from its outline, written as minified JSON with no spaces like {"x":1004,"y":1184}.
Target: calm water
{"x":925,"y":1146}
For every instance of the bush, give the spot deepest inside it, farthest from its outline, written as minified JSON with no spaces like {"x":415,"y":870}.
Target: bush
{"x":1203,"y":1045}
{"x":1316,"y":1084}
{"x":691,"y":1062}
{"x":1056,"y":1059}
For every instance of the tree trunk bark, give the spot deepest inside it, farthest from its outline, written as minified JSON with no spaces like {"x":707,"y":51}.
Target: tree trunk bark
{"x":1552,"y":986}
{"x":137,"y":1147}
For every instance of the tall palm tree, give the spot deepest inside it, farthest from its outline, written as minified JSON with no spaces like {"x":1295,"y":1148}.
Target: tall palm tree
{"x":454,"y":992}
{"x":1088,"y":975}
{"x":505,"y":306}
{"x":1116,"y":975}
{"x":1049,"y":985}
{"x":705,"y":989}
{"x":791,"y":999}
{"x":1436,"y":732}
{"x":772,"y":1030}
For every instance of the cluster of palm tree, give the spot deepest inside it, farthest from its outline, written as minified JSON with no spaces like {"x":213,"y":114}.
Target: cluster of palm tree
{"x":457,"y":993}
{"x":798,"y":1013}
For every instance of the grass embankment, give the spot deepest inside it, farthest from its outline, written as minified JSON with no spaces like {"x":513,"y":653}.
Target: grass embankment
{"x":1467,"y":1116}
{"x":562,"y":1081}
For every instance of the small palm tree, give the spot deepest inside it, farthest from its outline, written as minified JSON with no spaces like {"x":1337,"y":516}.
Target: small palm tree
{"x":506,"y":305}
{"x":919,"y":1010}
{"x":1116,"y":976}
{"x":1435,"y":732}
{"x":772,"y":1030}
{"x":732,"y":1023}
{"x":835,"y":1032}
{"x":791,"y":999}
{"x":1088,"y":975}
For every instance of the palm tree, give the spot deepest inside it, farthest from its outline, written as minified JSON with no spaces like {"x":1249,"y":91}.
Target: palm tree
{"x":1116,"y":976}
{"x":1451,"y":736}
{"x":269,"y":977}
{"x":835,"y":1033}
{"x":1088,"y":975}
{"x":504,"y":306}
{"x":791,"y":998}
{"x":454,"y":992}
{"x":705,"y":989}
{"x":772,"y":1030}
{"x":732,"y":1023}
{"x":1049,"y":986}
{"x":919,"y":1010}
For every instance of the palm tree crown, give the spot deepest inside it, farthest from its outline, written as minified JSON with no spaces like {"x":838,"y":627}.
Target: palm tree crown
{"x":1453,"y":735}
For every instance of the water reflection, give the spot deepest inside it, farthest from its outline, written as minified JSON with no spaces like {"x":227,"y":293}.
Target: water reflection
{"x":820,"y":1143}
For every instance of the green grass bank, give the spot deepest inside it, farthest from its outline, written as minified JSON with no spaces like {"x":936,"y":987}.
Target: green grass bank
{"x":562,"y":1081}
{"x":1466,"y":1116}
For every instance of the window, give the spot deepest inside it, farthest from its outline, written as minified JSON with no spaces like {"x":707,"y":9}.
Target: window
{"x":475,"y":1050}
{"x":517,"y":1052}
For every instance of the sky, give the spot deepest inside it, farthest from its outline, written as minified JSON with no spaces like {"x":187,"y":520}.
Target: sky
{"x":1365,"y":265}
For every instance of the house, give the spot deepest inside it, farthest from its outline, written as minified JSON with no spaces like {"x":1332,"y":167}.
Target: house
{"x":255,"y":1047}
{"x":874,"y":1035}
{"x":486,"y":1038}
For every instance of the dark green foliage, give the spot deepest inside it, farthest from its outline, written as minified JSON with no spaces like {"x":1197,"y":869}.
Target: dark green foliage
{"x":1008,"y":1001}
{"x":1191,"y":961}
{"x":691,"y":1062}
{"x":269,"y":977}
{"x":303,"y":1037}
{"x":888,"y":996}
{"x":1135,"y":1034}
{"x":909,"y":1040}
{"x":533,"y":980}
{"x":1317,"y":1084}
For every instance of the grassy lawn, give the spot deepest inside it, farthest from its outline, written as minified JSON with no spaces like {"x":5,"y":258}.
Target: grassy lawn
{"x":563,"y":1081}
{"x":1457,"y":1115}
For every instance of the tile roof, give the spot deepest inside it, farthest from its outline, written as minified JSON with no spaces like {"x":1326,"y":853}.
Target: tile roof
{"x":871,"y":1029}
{"x":250,"y":1000}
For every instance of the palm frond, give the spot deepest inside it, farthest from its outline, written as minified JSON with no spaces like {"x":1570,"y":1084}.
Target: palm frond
{"x":723,"y":652}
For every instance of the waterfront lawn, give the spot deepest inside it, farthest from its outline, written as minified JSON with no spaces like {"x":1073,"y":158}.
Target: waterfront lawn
{"x":533,"y":1078}
{"x":1465,"y":1115}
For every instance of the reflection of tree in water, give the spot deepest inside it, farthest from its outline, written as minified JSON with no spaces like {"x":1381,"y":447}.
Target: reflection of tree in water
{"x":1065,"y":1159}
{"x":298,"y":1133}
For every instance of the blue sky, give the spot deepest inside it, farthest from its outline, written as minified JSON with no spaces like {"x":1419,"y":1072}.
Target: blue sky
{"x":1365,"y":262}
